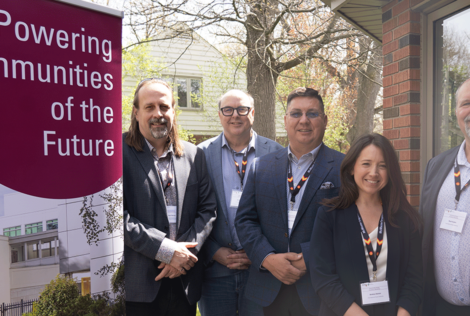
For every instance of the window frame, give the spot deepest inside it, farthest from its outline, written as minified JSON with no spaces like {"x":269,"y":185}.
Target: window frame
{"x":52,"y":220}
{"x":13,"y":228}
{"x":37,"y":224}
{"x":428,"y":119}
{"x":173,"y":83}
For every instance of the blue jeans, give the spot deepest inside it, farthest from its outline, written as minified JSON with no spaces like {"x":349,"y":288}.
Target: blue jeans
{"x":222,"y":296}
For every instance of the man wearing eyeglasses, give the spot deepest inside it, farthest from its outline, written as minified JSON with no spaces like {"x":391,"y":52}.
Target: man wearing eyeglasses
{"x":278,"y":207}
{"x":169,"y":208}
{"x":229,"y":157}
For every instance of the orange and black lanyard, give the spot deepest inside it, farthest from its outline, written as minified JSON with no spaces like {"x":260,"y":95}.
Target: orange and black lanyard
{"x":244,"y":163}
{"x":380,"y":239}
{"x":458,"y":190}
{"x":290,"y":180}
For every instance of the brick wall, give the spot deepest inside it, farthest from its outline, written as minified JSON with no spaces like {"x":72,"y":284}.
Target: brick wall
{"x":401,"y":82}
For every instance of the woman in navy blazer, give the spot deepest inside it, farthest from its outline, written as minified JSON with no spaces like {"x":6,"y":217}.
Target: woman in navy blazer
{"x":372,"y":191}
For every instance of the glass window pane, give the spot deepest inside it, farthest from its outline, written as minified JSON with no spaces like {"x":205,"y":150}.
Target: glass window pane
{"x":195,"y":93}
{"x":12,"y":231}
{"x":33,"y":250}
{"x":17,"y":253}
{"x":452,"y":67}
{"x":33,"y":228}
{"x":182,"y":93}
{"x":52,"y":224}
{"x":47,"y":247}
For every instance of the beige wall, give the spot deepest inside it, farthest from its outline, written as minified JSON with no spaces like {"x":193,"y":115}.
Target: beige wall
{"x":27,"y":283}
{"x":4,"y":270}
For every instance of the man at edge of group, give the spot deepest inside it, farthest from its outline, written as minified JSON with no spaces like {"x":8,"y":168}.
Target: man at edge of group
{"x":229,"y":157}
{"x":278,"y":207}
{"x":169,"y":208}
{"x":445,"y":204}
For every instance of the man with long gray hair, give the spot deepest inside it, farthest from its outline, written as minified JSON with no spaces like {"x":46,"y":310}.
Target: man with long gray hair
{"x":169,"y":208}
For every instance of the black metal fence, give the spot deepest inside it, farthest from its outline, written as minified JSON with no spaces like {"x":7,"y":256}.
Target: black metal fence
{"x":17,"y":309}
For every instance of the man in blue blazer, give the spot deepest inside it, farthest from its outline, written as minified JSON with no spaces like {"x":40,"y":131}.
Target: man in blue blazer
{"x":227,"y":263}
{"x":278,"y":207}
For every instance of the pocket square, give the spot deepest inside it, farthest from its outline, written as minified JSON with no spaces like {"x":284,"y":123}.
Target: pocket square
{"x":327,"y":185}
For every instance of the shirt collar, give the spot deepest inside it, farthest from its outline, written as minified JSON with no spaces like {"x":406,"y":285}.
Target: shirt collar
{"x":251,"y":144}
{"x":311,"y":154}
{"x":154,"y":153}
{"x":461,"y":157}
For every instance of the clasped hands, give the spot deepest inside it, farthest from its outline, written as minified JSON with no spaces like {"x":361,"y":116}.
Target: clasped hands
{"x":182,"y":261}
{"x":232,"y":259}
{"x":286,"y":267}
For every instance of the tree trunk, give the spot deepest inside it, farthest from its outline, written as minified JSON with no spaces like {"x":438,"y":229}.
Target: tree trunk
{"x":366,"y":97}
{"x":261,"y":81}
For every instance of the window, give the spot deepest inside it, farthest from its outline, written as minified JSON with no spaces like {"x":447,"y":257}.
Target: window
{"x":33,"y":250}
{"x":451,"y":68}
{"x":33,"y":228}
{"x":188,"y":91}
{"x":12,"y":231}
{"x":17,"y":253}
{"x":52,"y":224}
{"x":48,"y":247}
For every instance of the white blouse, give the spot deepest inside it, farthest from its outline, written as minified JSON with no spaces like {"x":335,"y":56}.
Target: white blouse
{"x":382,"y":259}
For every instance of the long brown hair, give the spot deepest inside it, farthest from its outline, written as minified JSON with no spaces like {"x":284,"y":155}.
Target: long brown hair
{"x":135,"y":138}
{"x":393,"y":194}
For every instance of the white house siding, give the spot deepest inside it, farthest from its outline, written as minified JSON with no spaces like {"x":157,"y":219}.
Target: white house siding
{"x":196,"y":58}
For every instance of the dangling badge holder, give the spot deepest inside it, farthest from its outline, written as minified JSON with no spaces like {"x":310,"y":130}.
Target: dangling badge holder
{"x":237,"y":194}
{"x":375,"y":292}
{"x":454,"y":220}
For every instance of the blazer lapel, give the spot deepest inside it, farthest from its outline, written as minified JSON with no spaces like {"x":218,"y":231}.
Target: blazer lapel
{"x":356,"y":245}
{"x":215,"y":158}
{"x":320,"y":171}
{"x":182,"y":169}
{"x":280,"y":181}
{"x":148,"y":163}
{"x":393,"y":254}
{"x":261,"y":146}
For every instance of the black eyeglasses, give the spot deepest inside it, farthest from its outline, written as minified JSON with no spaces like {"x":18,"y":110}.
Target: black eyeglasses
{"x":310,"y":115}
{"x":241,"y":110}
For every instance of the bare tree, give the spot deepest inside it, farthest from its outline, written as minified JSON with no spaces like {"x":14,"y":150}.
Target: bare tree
{"x":273,"y":33}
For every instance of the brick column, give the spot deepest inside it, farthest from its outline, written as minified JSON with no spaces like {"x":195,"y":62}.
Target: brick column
{"x":401,"y":93}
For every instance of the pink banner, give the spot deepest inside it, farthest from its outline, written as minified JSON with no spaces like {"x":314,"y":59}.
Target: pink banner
{"x":60,"y":78}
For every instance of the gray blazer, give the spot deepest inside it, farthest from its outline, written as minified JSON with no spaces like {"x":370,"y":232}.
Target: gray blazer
{"x":220,"y":236}
{"x":146,"y":222}
{"x":436,"y":172}
{"x":261,"y":220}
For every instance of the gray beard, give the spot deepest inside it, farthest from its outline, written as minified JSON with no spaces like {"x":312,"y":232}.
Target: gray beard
{"x":159,"y":132}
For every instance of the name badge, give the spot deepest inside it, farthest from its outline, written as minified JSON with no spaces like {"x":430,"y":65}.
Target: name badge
{"x":453,"y":220}
{"x":291,"y":218}
{"x":375,"y":292}
{"x":171,"y":212}
{"x":235,"y":199}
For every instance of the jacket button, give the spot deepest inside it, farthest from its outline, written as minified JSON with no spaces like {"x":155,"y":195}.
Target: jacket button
{"x":286,"y":235}
{"x":230,"y":244}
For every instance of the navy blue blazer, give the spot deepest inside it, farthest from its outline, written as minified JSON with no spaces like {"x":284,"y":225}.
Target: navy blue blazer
{"x":338,"y":263}
{"x":220,"y":235}
{"x":261,"y":220}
